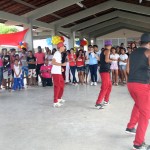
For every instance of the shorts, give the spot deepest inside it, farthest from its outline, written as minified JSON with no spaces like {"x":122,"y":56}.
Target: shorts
{"x":32,"y":73}
{"x":122,"y":67}
{"x":7,"y":74}
{"x":86,"y":68}
{"x":81,"y":69}
{"x":25,"y":70}
{"x":114,"y":66}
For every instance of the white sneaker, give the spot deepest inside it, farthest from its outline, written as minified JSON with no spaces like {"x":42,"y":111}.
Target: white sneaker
{"x":92,"y":83}
{"x":106,"y":103}
{"x":61,"y":100}
{"x":95,"y":83}
{"x":57,"y":104}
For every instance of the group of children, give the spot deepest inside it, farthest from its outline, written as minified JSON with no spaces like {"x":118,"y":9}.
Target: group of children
{"x":15,"y":67}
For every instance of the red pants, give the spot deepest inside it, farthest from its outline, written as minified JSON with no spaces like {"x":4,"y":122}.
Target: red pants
{"x":141,"y":110}
{"x":105,"y":87}
{"x":58,"y":86}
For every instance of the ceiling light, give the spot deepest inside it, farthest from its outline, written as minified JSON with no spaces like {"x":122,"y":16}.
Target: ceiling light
{"x":80,"y":4}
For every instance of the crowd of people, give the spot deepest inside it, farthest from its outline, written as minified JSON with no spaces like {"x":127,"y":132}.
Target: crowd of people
{"x":25,"y":66}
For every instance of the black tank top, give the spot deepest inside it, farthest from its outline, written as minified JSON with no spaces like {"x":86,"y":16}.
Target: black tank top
{"x":139,"y":67}
{"x":104,"y":67}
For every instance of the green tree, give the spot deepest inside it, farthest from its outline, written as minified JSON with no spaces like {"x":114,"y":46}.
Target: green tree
{"x":7,"y":29}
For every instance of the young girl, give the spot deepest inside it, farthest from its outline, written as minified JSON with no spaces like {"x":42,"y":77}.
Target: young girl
{"x":72,"y":64}
{"x":122,"y":65}
{"x":114,"y":66}
{"x":17,"y":76}
{"x":80,"y":66}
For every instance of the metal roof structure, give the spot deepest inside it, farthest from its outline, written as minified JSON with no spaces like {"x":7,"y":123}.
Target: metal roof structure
{"x":91,"y":18}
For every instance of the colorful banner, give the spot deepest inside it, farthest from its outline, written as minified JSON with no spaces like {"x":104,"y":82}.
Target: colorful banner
{"x":12,"y":38}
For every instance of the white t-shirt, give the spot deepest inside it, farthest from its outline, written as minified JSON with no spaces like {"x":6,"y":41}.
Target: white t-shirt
{"x":17,"y":70}
{"x":123,"y":57}
{"x":56,"y":69}
{"x":87,"y":57}
{"x":116,"y":56}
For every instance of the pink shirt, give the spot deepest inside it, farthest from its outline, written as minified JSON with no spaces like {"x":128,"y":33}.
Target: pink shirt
{"x":46,"y":74}
{"x":39,"y":58}
{"x":1,"y":62}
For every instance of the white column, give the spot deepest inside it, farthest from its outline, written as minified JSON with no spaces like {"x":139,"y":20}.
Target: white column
{"x":71,"y":40}
{"x":29,"y":36}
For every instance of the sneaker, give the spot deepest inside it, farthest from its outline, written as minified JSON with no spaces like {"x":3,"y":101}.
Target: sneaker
{"x":61,"y":100}
{"x":92,"y":83}
{"x":95,"y":83}
{"x":141,"y":147}
{"x":99,"y":106}
{"x":57,"y":104}
{"x":130,"y":131}
{"x":106,"y":103}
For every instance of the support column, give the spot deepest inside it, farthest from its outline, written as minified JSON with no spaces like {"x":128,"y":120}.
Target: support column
{"x":29,"y":36}
{"x":72,"y":40}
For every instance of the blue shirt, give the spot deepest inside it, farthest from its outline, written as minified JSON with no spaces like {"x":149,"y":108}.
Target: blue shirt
{"x":92,"y":59}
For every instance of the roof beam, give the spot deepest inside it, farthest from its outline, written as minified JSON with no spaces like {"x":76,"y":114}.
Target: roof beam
{"x":114,"y":21}
{"x":25,"y":3}
{"x":112,"y":15}
{"x":131,"y":7}
{"x":83,"y":14}
{"x":102,"y":7}
{"x":12,"y":17}
{"x":50,"y":8}
{"x":116,"y":27}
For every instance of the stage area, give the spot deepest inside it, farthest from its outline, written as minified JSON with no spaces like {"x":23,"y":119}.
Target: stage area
{"x":29,"y":122}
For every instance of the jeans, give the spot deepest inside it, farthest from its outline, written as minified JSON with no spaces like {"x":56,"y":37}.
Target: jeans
{"x":93,"y":71}
{"x":47,"y":82}
{"x":17,"y":84}
{"x":73,"y":71}
{"x":1,"y":75}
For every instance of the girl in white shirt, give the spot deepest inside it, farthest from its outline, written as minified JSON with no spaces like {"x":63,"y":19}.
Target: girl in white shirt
{"x":17,"y":75}
{"x":122,"y":65}
{"x":114,"y":66}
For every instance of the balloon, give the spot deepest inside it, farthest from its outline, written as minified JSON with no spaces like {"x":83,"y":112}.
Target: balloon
{"x":56,"y":40}
{"x":77,"y":42}
{"x":83,"y":42}
{"x":19,"y":46}
{"x":25,"y":44}
{"x":49,"y":41}
{"x":22,"y":46}
{"x":62,"y":38}
{"x":20,"y":43}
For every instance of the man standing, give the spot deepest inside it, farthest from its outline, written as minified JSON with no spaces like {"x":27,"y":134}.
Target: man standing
{"x":57,"y":75}
{"x":40,"y":57}
{"x":139,"y":87}
{"x":105,"y":76}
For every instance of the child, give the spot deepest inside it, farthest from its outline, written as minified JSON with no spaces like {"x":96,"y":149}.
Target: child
{"x":122,"y":65}
{"x":114,"y":66}
{"x":46,"y":74}
{"x":31,"y":60}
{"x":80,"y":62}
{"x":17,"y":75}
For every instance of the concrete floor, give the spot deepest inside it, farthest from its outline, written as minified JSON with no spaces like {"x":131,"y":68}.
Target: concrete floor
{"x":29,"y":122}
